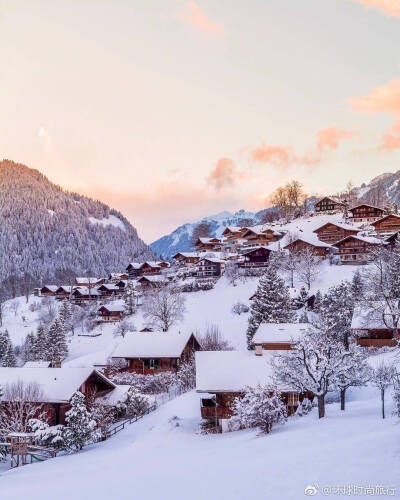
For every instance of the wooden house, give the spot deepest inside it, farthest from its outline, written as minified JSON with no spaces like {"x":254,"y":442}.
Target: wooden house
{"x":365,"y":213}
{"x":154,"y":352}
{"x":331,"y":232}
{"x":209,"y":267}
{"x":112,"y":312}
{"x":48,"y":290}
{"x":278,"y":336}
{"x":58,"y":386}
{"x":224,"y":375}
{"x":208,"y":244}
{"x":260,"y":235}
{"x":393,"y":239}
{"x":356,"y":249}
{"x":89,"y":282}
{"x":318,"y":248}
{"x":373,"y":326}
{"x":133,"y":269}
{"x":388,"y":224}
{"x":187,"y":259}
{"x":233,"y":232}
{"x":116,"y":277}
{"x":84,"y":294}
{"x":64,"y":292}
{"x":109,"y":290}
{"x":149,"y":268}
{"x":149,"y":282}
{"x":258,"y":257}
{"x":329,"y":204}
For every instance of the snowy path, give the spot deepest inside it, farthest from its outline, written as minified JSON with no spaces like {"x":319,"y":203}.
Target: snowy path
{"x":156,"y":459}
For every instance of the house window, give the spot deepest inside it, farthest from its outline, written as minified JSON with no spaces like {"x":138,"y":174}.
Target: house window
{"x":151,"y":364}
{"x":293,"y":399}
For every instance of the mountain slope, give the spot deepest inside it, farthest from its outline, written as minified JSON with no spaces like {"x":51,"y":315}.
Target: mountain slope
{"x":47,"y":232}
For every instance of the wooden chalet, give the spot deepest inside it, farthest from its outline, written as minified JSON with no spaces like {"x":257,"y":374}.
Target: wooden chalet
{"x":233,"y":232}
{"x":318,"y":248}
{"x":58,"y":386}
{"x":365,"y":213}
{"x":258,"y":257}
{"x":149,"y":268}
{"x":224,"y":375}
{"x":112,"y":312}
{"x":277,"y":336}
{"x":116,"y":277}
{"x":149,"y":282}
{"x":109,"y":289}
{"x":329,"y":204}
{"x":48,"y":290}
{"x":260,"y":235}
{"x":64,"y":292}
{"x":373,"y":326}
{"x":85,"y":294}
{"x":188,"y":259}
{"x":89,"y":282}
{"x":133,"y":269}
{"x":356,"y":249}
{"x":387,"y":225}
{"x":393,"y":239}
{"x":208,"y":244}
{"x":209,"y":267}
{"x":148,"y":353}
{"x":331,"y":232}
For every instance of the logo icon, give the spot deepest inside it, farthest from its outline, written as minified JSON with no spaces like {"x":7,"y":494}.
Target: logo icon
{"x":311,"y":490}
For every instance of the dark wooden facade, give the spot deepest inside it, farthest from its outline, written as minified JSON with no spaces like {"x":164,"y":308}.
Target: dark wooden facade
{"x":327,"y":204}
{"x":48,"y":291}
{"x":300,"y":245}
{"x":375,"y":337}
{"x":150,"y":366}
{"x":210,"y":268}
{"x":109,"y":315}
{"x":388,"y":224}
{"x":366,"y":213}
{"x":258,"y":257}
{"x":331,"y":233}
{"x":354,"y":250}
{"x":208,"y":244}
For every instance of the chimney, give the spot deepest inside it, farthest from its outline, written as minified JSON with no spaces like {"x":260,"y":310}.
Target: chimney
{"x":259,"y":350}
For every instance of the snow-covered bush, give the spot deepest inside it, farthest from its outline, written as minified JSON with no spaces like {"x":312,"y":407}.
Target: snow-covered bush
{"x":186,"y":376}
{"x":47,"y":435}
{"x":382,"y":379}
{"x":124,"y":327}
{"x":396,"y":400}
{"x":261,"y":407}
{"x":239,"y":308}
{"x":146,"y":384}
{"x":136,"y":403}
{"x":304,"y":407}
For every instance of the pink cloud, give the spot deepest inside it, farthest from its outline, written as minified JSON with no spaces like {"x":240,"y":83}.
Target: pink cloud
{"x":391,"y":139}
{"x":389,"y":7}
{"x":224,"y":174}
{"x":195,"y":17}
{"x":284,"y":156}
{"x":382,"y":99}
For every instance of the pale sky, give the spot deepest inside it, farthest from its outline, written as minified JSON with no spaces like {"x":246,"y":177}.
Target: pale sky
{"x":172,"y":110}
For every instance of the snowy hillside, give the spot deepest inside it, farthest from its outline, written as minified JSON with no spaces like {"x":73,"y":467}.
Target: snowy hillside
{"x":47,"y":232}
{"x":164,"y":449}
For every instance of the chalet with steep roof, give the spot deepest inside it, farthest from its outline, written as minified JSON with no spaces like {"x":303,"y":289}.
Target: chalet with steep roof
{"x":331,"y":232}
{"x":329,"y":204}
{"x":318,"y":248}
{"x":365,"y":213}
{"x":210,"y":267}
{"x":356,"y":249}
{"x":387,"y":225}
{"x":373,"y":325}
{"x":257,"y":257}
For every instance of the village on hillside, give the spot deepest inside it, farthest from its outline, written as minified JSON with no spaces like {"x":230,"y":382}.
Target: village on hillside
{"x":87,"y":359}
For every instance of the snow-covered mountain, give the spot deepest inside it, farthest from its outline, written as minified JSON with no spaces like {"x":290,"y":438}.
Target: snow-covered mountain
{"x":180,"y":240}
{"x":46,"y":232}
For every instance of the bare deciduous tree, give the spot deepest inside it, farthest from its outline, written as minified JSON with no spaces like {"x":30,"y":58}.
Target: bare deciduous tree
{"x":21,"y":402}
{"x":307,"y":268}
{"x":212,"y":340}
{"x":14,"y":306}
{"x":164,"y":307}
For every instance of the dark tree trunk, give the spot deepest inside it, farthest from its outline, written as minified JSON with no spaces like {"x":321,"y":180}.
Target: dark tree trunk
{"x":383,"y":402}
{"x":321,"y":406}
{"x":342,"y":399}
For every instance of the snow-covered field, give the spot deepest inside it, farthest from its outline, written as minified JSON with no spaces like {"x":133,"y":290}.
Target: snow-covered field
{"x":164,"y":456}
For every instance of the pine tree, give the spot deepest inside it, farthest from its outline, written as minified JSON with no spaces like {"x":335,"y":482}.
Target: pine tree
{"x":28,"y":349}
{"x":7,"y":356}
{"x":271,"y":303}
{"x":57,"y":349}
{"x":317,"y":301}
{"x":65,"y":315}
{"x":357,"y":285}
{"x":136,"y":403}
{"x":301,"y":300}
{"x":129,"y":298}
{"x":79,"y":423}
{"x":40,"y":348}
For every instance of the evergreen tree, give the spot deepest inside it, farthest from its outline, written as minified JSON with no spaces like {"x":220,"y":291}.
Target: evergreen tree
{"x":28,"y":349}
{"x":79,"y":423}
{"x":65,"y":316}
{"x":301,"y":300}
{"x":271,"y":303}
{"x":317,"y":301}
{"x":357,"y":285}
{"x":130,"y":297}
{"x":136,"y":403}
{"x":57,"y":348}
{"x":7,"y":356}
{"x":40,"y":347}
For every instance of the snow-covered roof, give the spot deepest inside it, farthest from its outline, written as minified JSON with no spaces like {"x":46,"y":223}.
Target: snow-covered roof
{"x":365,"y":205}
{"x":89,"y":281}
{"x":335,"y":199}
{"x":155,"y":279}
{"x":186,"y":254}
{"x":370,"y":317}
{"x":65,"y":288}
{"x":37,"y":364}
{"x":110,"y":286}
{"x":232,"y":371}
{"x":209,"y":240}
{"x":385,"y":217}
{"x":233,"y":229}
{"x":83,"y":290}
{"x":213,"y":259}
{"x":134,"y":265}
{"x":52,"y":288}
{"x":116,"y":306}
{"x":152,"y":345}
{"x":119,"y":395}
{"x":279,"y":332}
{"x":341,"y":225}
{"x":150,"y":263}
{"x":57,"y":384}
{"x":265,"y":247}
{"x":311,"y":239}
{"x":367,"y":239}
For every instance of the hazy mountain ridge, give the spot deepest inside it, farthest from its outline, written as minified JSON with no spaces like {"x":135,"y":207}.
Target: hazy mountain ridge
{"x":45,"y":230}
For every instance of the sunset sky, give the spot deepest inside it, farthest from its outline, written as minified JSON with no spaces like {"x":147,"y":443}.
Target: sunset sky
{"x":171,"y":110}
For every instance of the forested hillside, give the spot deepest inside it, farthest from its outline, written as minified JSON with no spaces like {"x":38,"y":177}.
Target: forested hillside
{"x":48,"y":234}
